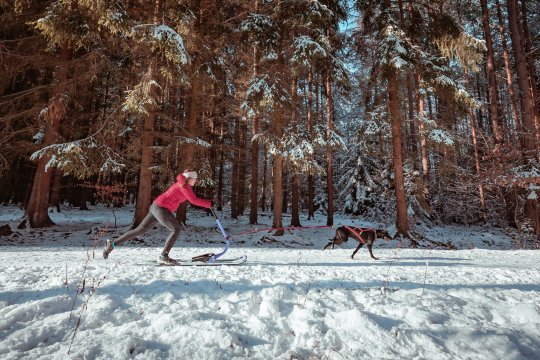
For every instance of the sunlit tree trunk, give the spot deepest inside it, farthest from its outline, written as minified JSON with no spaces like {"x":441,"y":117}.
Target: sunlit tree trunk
{"x":329,"y":153}
{"x":311,"y":181}
{"x":254,"y":144}
{"x":402,"y":223}
{"x":295,"y":191}
{"x":144,"y":193}
{"x":38,"y":203}
{"x":508,"y":72}
{"x":492,"y":81}
{"x":527,"y":104}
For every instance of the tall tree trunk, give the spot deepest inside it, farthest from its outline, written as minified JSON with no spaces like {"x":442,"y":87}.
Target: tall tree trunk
{"x":423,"y":141}
{"x":527,"y":44}
{"x":38,"y":203}
{"x":412,"y":125}
{"x":254,"y":145}
{"x":476,"y":155}
{"x":264,"y":178}
{"x":492,"y":80}
{"x":235,"y":169}
{"x":402,"y":223}
{"x":508,"y":72}
{"x":295,"y":192}
{"x":329,"y":162}
{"x":527,"y":104}
{"x":311,"y":182}
{"x":285,"y":189}
{"x":144,"y":193}
{"x":277,"y":175}
{"x":221,"y":165}
{"x":242,"y":168}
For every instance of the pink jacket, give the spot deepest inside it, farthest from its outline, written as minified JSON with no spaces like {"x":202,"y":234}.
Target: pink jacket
{"x":175,"y":195}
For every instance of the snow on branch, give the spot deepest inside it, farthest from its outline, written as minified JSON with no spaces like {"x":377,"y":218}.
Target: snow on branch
{"x":306,"y":51}
{"x":141,"y":97}
{"x":263,"y":91}
{"x":468,"y":50}
{"x":81,"y":158}
{"x":439,"y":136}
{"x":182,"y":140}
{"x":395,"y":47}
{"x":163,"y":39}
{"x":335,"y":141}
{"x":264,"y":33}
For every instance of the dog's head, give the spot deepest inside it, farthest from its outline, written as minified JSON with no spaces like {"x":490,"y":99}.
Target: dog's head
{"x":383,"y":234}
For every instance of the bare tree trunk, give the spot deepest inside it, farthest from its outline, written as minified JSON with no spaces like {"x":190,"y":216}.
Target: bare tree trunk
{"x":285,"y":189}
{"x":235,"y":170}
{"x":242,"y":168}
{"x":295,"y":192}
{"x":144,"y":193}
{"x":254,"y":145}
{"x":412,"y":125}
{"x":423,"y":141}
{"x":476,"y":155}
{"x":38,"y":203}
{"x":402,"y":223}
{"x":221,"y":165}
{"x":508,"y":71}
{"x":492,"y":81}
{"x":264,"y":178}
{"x":311,"y":182}
{"x":329,"y":165}
{"x":527,"y":43}
{"x":277,"y":176}
{"x":527,"y":104}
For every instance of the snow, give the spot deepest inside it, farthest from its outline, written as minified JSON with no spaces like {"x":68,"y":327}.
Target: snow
{"x":291,"y":300}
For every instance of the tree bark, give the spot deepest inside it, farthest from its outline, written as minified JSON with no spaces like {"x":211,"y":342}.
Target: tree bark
{"x":423,"y":141}
{"x":508,"y":72}
{"x":311,"y":182}
{"x":235,"y":170}
{"x":295,"y":191}
{"x":242,"y":168}
{"x":527,"y":106}
{"x":329,"y":162}
{"x":476,"y":155}
{"x":264,"y":178}
{"x":254,"y":145}
{"x":277,"y":175}
{"x":38,"y":203}
{"x":492,"y":81}
{"x":528,"y":111}
{"x":144,"y":193}
{"x":402,"y":223}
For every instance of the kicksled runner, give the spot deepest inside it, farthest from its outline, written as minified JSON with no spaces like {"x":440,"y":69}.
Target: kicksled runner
{"x":194,"y":262}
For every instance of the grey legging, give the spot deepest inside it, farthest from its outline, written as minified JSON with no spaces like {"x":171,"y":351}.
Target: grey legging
{"x":155,"y":214}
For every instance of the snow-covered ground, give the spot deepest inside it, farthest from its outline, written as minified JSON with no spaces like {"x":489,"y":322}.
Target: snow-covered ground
{"x":290,"y":301}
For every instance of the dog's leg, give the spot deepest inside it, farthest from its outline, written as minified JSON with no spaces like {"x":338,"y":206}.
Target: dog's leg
{"x":327,"y":245}
{"x":360,"y":244}
{"x":369,"y":246}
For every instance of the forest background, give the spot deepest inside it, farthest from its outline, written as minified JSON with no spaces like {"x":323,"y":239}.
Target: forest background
{"x":402,"y":112}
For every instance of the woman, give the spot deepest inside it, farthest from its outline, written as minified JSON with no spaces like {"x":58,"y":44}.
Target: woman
{"x":161,"y":211}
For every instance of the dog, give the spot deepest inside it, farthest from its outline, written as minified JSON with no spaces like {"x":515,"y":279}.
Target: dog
{"x":362,"y":235}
